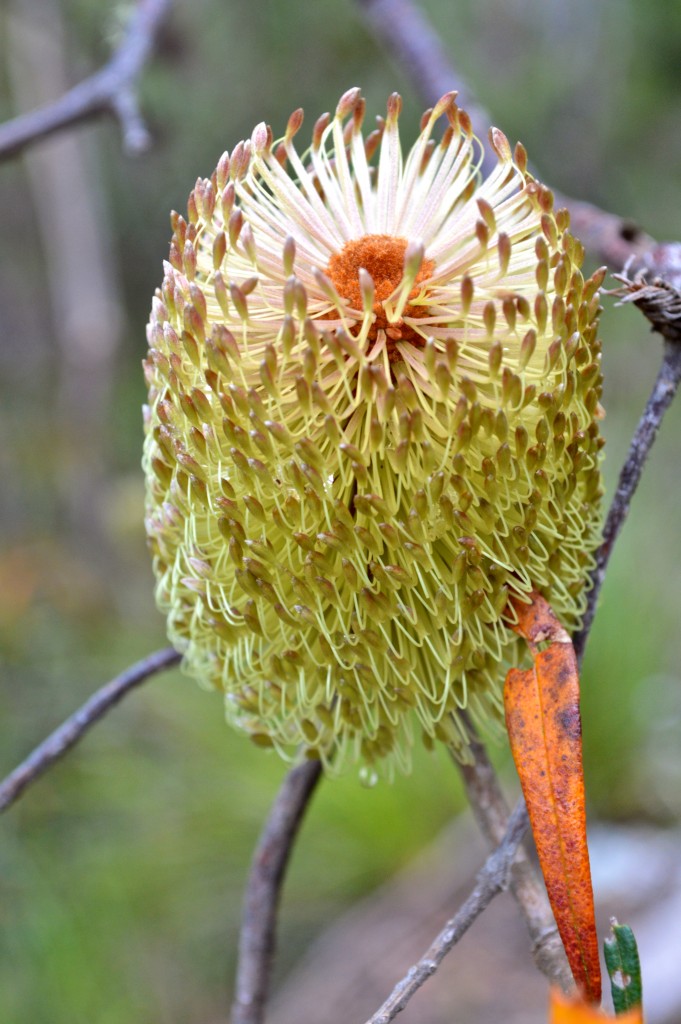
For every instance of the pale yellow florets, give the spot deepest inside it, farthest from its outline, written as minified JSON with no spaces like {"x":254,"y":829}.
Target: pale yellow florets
{"x":372,"y":417}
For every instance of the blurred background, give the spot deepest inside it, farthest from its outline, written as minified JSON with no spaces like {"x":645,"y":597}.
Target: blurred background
{"x":121,"y":872}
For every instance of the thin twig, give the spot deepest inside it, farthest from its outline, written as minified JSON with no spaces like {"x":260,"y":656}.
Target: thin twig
{"x":257,"y":937}
{"x":661,"y":396}
{"x":74,"y":728}
{"x":110,"y":90}
{"x":492,"y":814}
{"x":492,"y":879}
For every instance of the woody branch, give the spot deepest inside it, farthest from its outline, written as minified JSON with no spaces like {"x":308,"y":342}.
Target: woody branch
{"x":111,"y":90}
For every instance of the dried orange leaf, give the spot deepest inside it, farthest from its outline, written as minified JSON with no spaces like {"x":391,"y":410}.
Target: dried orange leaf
{"x":574,"y":1010}
{"x":545,"y":732}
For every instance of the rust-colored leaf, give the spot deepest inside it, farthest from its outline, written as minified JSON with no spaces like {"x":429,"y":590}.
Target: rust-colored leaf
{"x":545,"y":732}
{"x":574,"y":1010}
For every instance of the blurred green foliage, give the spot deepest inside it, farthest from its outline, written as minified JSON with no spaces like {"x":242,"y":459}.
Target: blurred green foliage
{"x":121,"y":872}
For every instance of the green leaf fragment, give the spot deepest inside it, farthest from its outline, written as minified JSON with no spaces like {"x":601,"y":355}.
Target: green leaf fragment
{"x":624,"y":968}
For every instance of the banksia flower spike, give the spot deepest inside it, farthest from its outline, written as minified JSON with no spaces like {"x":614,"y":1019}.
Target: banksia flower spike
{"x":373,"y":393}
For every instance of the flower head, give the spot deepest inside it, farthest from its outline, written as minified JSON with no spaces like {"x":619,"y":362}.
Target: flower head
{"x":373,"y":393}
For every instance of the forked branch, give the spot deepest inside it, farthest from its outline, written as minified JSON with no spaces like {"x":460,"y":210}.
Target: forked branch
{"x":404,"y":30}
{"x":110,"y":90}
{"x":492,"y":814}
{"x":492,"y":879}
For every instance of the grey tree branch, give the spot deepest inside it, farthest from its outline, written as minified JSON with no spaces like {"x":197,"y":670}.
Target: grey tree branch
{"x":109,"y":90}
{"x":492,"y":879}
{"x":258,"y":924}
{"x":661,"y":304}
{"x":492,"y":814}
{"x":74,"y":728}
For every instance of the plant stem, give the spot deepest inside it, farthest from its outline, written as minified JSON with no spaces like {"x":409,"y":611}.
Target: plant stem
{"x":261,"y":900}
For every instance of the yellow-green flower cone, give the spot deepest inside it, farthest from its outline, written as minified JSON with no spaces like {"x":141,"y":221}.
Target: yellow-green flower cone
{"x":373,"y":396}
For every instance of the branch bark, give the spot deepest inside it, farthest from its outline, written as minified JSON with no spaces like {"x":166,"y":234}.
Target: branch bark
{"x":74,"y":728}
{"x":110,"y":90}
{"x":492,"y":879}
{"x":261,"y":901}
{"x":492,"y":814}
{"x":661,"y":304}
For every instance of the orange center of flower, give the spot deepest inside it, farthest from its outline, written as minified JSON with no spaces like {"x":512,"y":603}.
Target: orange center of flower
{"x":382,"y":256}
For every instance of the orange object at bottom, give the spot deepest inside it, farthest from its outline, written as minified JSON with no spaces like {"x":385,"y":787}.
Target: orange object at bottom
{"x":574,"y":1010}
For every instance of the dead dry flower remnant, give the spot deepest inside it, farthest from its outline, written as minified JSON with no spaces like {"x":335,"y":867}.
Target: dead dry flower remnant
{"x":374,"y":383}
